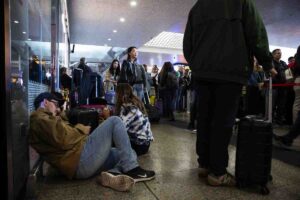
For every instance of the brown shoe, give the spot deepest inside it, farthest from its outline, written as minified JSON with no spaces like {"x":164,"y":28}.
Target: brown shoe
{"x":119,"y":182}
{"x":225,"y":180}
{"x":202,"y":172}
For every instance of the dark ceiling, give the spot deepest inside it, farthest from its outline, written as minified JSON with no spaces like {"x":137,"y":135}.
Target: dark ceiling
{"x":92,"y":22}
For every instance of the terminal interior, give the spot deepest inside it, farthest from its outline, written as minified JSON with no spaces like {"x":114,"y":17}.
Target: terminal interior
{"x":57,"y":33}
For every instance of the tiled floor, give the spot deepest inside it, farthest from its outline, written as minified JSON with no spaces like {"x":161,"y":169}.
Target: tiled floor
{"x":172,"y":155}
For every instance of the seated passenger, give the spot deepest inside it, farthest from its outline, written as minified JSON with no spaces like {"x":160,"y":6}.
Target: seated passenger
{"x":78,"y":155}
{"x":133,"y":113}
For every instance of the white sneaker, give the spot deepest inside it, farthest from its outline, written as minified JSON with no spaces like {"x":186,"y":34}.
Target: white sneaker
{"x":118,"y":182}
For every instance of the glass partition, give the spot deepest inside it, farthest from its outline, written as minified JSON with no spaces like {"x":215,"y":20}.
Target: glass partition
{"x":31,"y":31}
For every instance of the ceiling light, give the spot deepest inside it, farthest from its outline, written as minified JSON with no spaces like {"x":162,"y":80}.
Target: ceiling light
{"x":16,"y":22}
{"x":133,"y":3}
{"x":24,"y":32}
{"x":109,"y":39}
{"x":115,"y":31}
{"x":122,"y":19}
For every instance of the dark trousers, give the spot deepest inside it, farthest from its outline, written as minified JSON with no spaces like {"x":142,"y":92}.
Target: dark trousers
{"x":290,"y":98}
{"x":217,"y":107}
{"x":295,"y":130}
{"x":279,"y":105}
{"x":169,"y":99}
{"x":140,"y":149}
{"x":193,"y":110}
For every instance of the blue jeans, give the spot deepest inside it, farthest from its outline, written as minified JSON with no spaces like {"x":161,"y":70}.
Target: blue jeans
{"x":98,"y":155}
{"x":138,"y":90}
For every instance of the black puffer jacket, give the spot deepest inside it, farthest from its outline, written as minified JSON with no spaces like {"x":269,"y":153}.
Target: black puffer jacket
{"x":221,"y":38}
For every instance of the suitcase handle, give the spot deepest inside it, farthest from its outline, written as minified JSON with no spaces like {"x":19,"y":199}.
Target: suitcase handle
{"x":269,"y":98}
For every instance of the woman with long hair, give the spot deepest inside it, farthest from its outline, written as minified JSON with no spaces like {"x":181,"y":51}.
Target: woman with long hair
{"x":112,"y":76}
{"x":168,"y":85}
{"x":133,"y":113}
{"x":133,"y":73}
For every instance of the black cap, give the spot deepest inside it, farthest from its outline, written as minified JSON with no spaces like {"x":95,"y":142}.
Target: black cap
{"x":42,"y":96}
{"x":59,"y":98}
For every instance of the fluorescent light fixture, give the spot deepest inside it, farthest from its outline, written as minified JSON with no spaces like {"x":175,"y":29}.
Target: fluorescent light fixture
{"x":115,"y":31}
{"x":16,"y":21}
{"x":24,"y":32}
{"x":133,"y":3}
{"x":122,"y":19}
{"x":109,"y":39}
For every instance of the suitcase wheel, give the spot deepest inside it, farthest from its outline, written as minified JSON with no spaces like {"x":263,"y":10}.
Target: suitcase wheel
{"x":264,"y":190}
{"x":270,"y":177}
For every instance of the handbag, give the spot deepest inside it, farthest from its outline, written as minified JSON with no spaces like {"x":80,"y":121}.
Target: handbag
{"x":288,"y":75}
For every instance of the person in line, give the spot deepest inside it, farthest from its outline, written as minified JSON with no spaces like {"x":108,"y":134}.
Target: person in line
{"x":291,"y":60}
{"x":279,"y":93}
{"x":112,"y":76}
{"x":133,"y":114}
{"x":254,"y":100}
{"x":149,"y":80}
{"x":154,"y":76}
{"x":65,"y":79}
{"x":220,"y":40}
{"x":133,"y":73}
{"x":168,"y":86}
{"x":286,"y":140}
{"x":80,"y":155}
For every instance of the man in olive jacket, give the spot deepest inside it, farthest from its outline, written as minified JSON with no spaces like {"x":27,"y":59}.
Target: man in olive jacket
{"x":78,"y":154}
{"x":220,"y":40}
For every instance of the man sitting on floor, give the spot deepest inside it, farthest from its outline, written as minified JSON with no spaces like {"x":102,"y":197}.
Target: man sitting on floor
{"x":79,"y":155}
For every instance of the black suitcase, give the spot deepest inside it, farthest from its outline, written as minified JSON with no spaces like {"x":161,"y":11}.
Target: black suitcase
{"x":254,"y":149}
{"x":85,"y":116}
{"x":152,"y":111}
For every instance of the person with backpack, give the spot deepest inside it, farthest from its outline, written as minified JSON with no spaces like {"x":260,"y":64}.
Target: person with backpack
{"x":168,"y":85}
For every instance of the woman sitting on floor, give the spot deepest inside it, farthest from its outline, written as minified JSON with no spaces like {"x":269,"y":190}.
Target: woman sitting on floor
{"x":133,"y":113}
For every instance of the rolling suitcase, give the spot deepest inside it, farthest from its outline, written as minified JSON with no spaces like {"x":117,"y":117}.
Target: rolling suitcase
{"x":153,"y":112}
{"x":254,"y":149}
{"x":85,"y":116}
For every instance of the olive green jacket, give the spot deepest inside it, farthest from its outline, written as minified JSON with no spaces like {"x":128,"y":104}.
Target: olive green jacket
{"x":221,"y":38}
{"x":57,"y":141}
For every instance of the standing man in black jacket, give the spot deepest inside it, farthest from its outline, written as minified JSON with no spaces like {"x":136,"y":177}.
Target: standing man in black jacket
{"x":220,"y":40}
